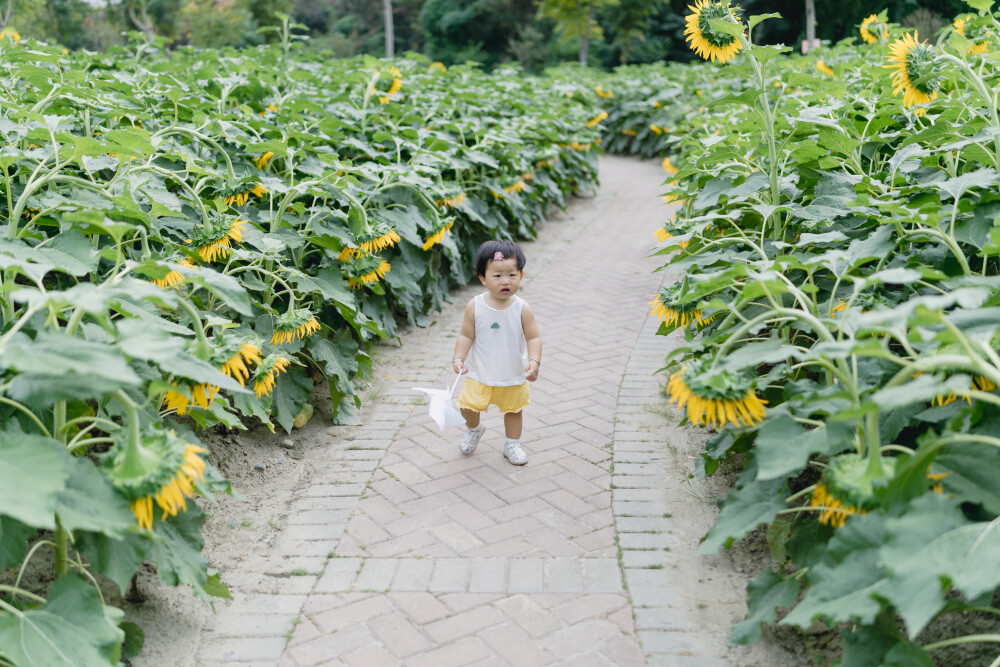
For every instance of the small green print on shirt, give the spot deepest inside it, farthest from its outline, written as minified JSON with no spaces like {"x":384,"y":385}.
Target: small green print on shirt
{"x":495,"y":326}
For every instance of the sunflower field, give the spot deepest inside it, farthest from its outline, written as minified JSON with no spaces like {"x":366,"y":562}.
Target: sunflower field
{"x":836,"y":218}
{"x":194,"y":240}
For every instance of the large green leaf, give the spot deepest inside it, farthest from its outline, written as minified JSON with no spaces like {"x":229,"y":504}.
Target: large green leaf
{"x":291,"y":391}
{"x":784,"y":446}
{"x":745,"y":508}
{"x":13,"y":537}
{"x":117,"y":559}
{"x":88,"y":502}
{"x":32,"y":474}
{"x":972,"y":473}
{"x":765,"y":595}
{"x":176,"y":550}
{"x":58,"y":354}
{"x":71,"y":629}
{"x":931,"y":549}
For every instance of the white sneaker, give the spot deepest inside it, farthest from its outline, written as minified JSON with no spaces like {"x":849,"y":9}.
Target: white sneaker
{"x":471,"y":439}
{"x":512,"y":450}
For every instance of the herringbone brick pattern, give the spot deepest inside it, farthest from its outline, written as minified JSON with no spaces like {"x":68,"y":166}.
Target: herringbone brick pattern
{"x":458,"y":560}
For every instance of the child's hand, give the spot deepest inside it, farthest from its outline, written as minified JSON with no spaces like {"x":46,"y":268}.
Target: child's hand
{"x":458,"y":365}
{"x":531,"y":371}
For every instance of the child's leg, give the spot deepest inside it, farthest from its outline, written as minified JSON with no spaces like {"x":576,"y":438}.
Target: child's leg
{"x":512,"y":423}
{"x":471,"y":417}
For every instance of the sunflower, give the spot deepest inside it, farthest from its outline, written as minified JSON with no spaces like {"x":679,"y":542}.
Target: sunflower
{"x":160,"y":467}
{"x":395,"y":76}
{"x":452,"y":202}
{"x":663,"y":235}
{"x":175,"y":277}
{"x":631,"y":133}
{"x":597,"y":119}
{"x":379,"y":237}
{"x":603,"y":93}
{"x":294,"y":325}
{"x":961,"y":24}
{"x":668,"y":309}
{"x":873,"y":30}
{"x":437,"y":236}
{"x":824,"y":68}
{"x":262,"y":161}
{"x":547,"y":163}
{"x":234,"y":359}
{"x":515,"y":187}
{"x":182,"y":395}
{"x":979,"y":383}
{"x":12,"y":35}
{"x":916,"y":74}
{"x":239,"y":195}
{"x":214,"y":241}
{"x":367,"y":271}
{"x":668,"y":167}
{"x":832,"y":510}
{"x":704,"y":40}
{"x":656,"y":128}
{"x":717,"y":398}
{"x":267,"y":372}
{"x":437,"y":66}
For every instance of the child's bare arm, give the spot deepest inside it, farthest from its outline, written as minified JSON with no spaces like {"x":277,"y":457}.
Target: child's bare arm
{"x":465,"y":338}
{"x":534,"y":340}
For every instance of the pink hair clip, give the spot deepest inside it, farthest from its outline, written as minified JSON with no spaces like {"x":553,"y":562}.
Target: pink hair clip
{"x":498,"y":256}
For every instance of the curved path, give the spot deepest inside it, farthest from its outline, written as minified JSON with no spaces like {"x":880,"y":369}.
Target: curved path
{"x":412,"y":554}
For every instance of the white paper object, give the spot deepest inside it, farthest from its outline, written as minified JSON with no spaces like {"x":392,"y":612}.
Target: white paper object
{"x":441,"y":409}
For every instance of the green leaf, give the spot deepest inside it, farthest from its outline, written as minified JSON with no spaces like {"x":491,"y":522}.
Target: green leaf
{"x":135,"y":639}
{"x":89,"y":502}
{"x":932,"y":548}
{"x":71,"y":629}
{"x":971,"y":469}
{"x":117,"y":559}
{"x":744,"y":509}
{"x":32,"y":474}
{"x":338,"y":356}
{"x":758,"y":18}
{"x":177,"y":550}
{"x":765,"y":595}
{"x":980,"y":5}
{"x":224,"y":287}
{"x":727,"y":27}
{"x":291,"y":391}
{"x":13,"y":538}
{"x":59,"y":354}
{"x":784,"y":446}
{"x":765,"y":53}
{"x":846,"y":588}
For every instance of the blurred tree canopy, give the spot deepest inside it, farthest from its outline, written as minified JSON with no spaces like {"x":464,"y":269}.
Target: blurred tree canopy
{"x":534,"y":33}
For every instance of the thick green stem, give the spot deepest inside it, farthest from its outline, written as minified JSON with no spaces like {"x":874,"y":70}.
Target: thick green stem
{"x":61,"y":546}
{"x":204,"y":347}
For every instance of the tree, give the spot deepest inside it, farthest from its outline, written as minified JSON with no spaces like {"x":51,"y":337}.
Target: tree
{"x":628,"y":23}
{"x":390,"y":38}
{"x":575,"y":18}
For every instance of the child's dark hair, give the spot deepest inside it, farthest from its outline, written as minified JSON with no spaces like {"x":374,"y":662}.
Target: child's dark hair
{"x":507,"y":249}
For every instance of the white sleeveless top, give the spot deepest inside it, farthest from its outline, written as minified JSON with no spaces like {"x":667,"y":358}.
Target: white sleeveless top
{"x":499,"y":352}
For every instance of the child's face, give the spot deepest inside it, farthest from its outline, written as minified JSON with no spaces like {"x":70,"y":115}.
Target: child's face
{"x":502,"y":278}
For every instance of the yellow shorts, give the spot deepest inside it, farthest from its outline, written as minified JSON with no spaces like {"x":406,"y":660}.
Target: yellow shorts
{"x":477,"y":396}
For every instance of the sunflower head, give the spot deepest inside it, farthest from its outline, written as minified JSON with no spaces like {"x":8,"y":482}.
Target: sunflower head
{"x":264,"y":159}
{"x":452,"y":202}
{"x":388,"y":83}
{"x":916,"y":73}
{"x":12,"y":35}
{"x":213,"y":241}
{"x":438,"y":235}
{"x":978,"y":35}
{"x":294,"y":325}
{"x":873,"y":30}
{"x":715,"y":396}
{"x":381,"y":235}
{"x":366,"y":271}
{"x":240,"y":193}
{"x":668,"y":166}
{"x":604,"y":93}
{"x":824,"y":68}
{"x":233,"y":356}
{"x":437,"y":66}
{"x":669,"y":308}
{"x":185,"y":394}
{"x":707,"y":42}
{"x":849,"y":486}
{"x":160,"y":468}
{"x":174,"y":278}
{"x":597,"y":119}
{"x":266,"y":373}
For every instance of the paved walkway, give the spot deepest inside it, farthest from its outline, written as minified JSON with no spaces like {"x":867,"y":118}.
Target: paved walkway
{"x":405,"y":552}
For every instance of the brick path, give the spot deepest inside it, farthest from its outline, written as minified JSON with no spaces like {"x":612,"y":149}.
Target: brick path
{"x":403,"y":551}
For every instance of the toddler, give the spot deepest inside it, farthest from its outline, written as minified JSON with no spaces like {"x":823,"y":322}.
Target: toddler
{"x":499,"y":348}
